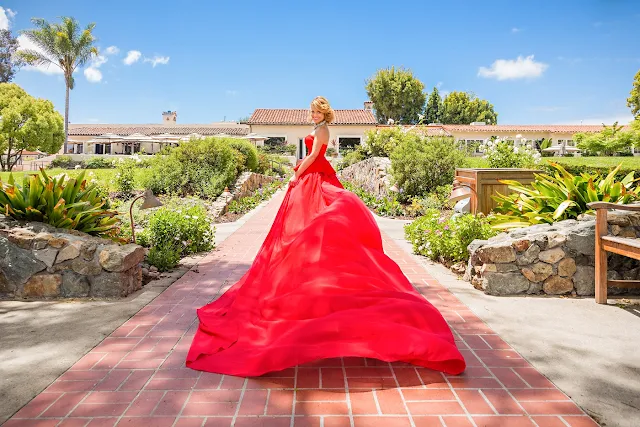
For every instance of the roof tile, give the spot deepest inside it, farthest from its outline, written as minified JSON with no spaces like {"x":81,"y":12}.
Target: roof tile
{"x":124,"y":130}
{"x":268,"y":116}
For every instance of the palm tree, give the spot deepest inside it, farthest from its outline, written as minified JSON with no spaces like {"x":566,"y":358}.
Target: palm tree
{"x":64,"y":45}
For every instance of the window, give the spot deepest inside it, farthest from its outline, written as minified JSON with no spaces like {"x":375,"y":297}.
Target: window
{"x":275,"y":140}
{"x":348,"y":143}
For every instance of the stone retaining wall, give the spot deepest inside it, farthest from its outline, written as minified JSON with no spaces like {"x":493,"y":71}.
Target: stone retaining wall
{"x":40,"y":261}
{"x":553,"y":259}
{"x":244,"y":186}
{"x":371,"y":174}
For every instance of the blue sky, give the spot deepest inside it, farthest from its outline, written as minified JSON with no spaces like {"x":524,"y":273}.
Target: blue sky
{"x":538,"y":62}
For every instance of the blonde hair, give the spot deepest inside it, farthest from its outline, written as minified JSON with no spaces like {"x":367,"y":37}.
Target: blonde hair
{"x":321,"y":104}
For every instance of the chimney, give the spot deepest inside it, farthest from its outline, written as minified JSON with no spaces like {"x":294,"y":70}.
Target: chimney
{"x":169,"y":117}
{"x":368,"y":106}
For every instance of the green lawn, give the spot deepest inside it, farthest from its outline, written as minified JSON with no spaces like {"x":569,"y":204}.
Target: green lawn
{"x":105,"y":177}
{"x":628,"y":163}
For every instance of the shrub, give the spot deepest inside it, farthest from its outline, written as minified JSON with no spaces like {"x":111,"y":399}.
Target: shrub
{"x":63,"y":162}
{"x":503,"y":154}
{"x":611,"y":140}
{"x":202,"y":167}
{"x":438,"y":199}
{"x":273,"y":165}
{"x":164,"y":258}
{"x":183,"y":222}
{"x":558,"y":197}
{"x":97,"y":163}
{"x":287,"y":149}
{"x":446,"y":239}
{"x":381,"y":205}
{"x":245,"y":204}
{"x":63,"y":203}
{"x":420,"y":165}
{"x":249,"y":152}
{"x":352,"y":157}
{"x":382,"y":142}
{"x":125,"y":176}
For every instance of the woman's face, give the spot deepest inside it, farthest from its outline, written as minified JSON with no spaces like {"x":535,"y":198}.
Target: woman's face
{"x":316,"y":116}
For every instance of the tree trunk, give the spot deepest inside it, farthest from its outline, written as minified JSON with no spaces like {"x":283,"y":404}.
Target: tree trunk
{"x":7,"y":166}
{"x":66,"y":118}
{"x":16,"y":159}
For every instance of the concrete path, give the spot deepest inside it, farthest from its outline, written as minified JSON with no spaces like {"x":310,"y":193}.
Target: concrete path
{"x":136,"y":376}
{"x":589,"y":351}
{"x":40,"y":340}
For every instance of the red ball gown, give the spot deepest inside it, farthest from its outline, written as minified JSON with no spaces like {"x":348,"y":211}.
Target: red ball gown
{"x":321,"y":287}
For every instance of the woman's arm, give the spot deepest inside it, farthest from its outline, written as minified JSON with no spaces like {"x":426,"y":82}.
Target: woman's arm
{"x":321,"y":137}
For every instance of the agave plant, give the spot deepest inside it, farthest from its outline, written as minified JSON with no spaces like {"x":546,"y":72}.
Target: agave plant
{"x":61,"y":202}
{"x":561,"y":196}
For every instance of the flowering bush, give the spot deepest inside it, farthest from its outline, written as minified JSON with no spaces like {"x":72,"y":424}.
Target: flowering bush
{"x":247,"y":203}
{"x":182,"y":222}
{"x":504,"y":154}
{"x":381,"y":205}
{"x":445,"y":239}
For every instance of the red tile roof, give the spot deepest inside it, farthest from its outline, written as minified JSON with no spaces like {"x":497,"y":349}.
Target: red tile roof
{"x":524,"y":128}
{"x":268,"y":116}
{"x":124,"y":130}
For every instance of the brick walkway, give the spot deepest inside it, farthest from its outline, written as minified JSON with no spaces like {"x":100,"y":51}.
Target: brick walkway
{"x":136,"y":376}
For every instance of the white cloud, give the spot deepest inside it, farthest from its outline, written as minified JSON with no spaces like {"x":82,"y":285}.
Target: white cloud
{"x":439,"y":85}
{"x":97,"y":61}
{"x":231,"y":92}
{"x":132,"y":57}
{"x":164,"y":60}
{"x":516,"y":30}
{"x":23,"y":44}
{"x":112,"y":50}
{"x":511,"y":69}
{"x":93,"y":74}
{"x":6,"y":15}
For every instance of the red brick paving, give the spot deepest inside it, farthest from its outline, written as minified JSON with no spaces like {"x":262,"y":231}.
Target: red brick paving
{"x":136,"y":376}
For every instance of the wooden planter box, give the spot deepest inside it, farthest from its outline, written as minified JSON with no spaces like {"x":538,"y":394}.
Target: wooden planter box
{"x":485,"y":184}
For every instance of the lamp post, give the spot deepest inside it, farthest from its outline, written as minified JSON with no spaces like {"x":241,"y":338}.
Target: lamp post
{"x":150,"y":201}
{"x":458,"y":193}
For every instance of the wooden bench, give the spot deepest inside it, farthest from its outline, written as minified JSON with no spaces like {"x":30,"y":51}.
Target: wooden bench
{"x":625,"y":246}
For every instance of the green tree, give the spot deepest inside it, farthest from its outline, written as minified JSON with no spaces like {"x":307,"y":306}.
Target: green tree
{"x":396,"y":94}
{"x":463,"y":108}
{"x":433,"y":112}
{"x":64,"y":45}
{"x":634,"y":100}
{"x":9,"y":63}
{"x":611,"y":140}
{"x":26,"y":123}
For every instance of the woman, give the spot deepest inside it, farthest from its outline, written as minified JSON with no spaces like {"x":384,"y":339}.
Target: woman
{"x":320,"y":287}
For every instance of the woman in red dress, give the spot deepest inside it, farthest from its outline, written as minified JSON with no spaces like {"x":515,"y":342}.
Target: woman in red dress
{"x":320,"y":287}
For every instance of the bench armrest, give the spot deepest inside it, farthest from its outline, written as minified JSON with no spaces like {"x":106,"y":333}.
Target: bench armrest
{"x":616,"y":206}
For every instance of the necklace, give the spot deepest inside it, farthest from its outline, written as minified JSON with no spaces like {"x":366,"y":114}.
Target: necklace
{"x":316,"y":126}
